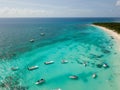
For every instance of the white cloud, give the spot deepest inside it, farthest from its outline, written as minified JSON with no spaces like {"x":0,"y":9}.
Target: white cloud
{"x":22,"y":12}
{"x":74,"y":12}
{"x":118,"y":3}
{"x":17,"y":8}
{"x":27,"y":12}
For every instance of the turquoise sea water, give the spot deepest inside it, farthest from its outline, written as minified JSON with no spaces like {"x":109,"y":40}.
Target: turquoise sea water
{"x":73,"y":40}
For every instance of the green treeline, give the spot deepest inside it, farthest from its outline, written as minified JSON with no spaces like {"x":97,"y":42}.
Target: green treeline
{"x":112,"y":26}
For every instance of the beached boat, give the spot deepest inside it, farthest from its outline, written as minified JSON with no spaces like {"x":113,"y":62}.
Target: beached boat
{"x":64,"y":61}
{"x":73,"y":77}
{"x":14,"y":68}
{"x":33,"y":68}
{"x":49,"y":62}
{"x":94,"y":75}
{"x":41,"y":81}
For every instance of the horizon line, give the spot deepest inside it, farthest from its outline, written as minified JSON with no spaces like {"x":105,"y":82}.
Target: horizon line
{"x":59,"y":17}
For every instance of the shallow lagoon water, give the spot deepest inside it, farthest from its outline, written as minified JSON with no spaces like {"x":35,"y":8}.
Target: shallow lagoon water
{"x":75,"y":42}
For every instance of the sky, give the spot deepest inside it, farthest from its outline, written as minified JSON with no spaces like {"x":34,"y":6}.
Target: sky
{"x":59,"y":8}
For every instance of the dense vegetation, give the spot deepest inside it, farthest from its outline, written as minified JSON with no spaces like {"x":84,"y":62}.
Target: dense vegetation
{"x":112,"y":26}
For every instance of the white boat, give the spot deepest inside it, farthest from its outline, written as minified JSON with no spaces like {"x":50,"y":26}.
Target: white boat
{"x":42,"y":34}
{"x":105,"y":65}
{"x":32,"y":40}
{"x":94,"y":75}
{"x":85,"y":64}
{"x":49,"y":62}
{"x":64,"y":61}
{"x":58,"y":89}
{"x":33,"y":67}
{"x":73,"y":77}
{"x":14,"y":68}
{"x":41,"y":81}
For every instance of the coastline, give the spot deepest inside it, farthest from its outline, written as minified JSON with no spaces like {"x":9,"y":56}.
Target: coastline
{"x":114,"y":34}
{"x":115,"y":64}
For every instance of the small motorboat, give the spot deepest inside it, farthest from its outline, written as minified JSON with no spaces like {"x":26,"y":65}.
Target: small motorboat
{"x":49,"y":62}
{"x":58,"y":89}
{"x":64,"y":61}
{"x":32,"y":40}
{"x":73,"y":77}
{"x":14,"y":68}
{"x":33,"y":68}
{"x":41,"y":81}
{"x":85,"y":64}
{"x":94,"y":75}
{"x":105,"y":65}
{"x":42,"y":34}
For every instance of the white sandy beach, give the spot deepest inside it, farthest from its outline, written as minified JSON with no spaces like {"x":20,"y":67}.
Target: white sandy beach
{"x":111,"y":32}
{"x":116,"y":59}
{"x":114,"y":34}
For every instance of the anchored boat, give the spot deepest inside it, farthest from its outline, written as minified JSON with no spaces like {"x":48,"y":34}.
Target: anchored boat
{"x":41,"y":81}
{"x":94,"y":75}
{"x":14,"y":68}
{"x":42,"y":34}
{"x":32,"y":40}
{"x":33,"y":68}
{"x":49,"y":62}
{"x":64,"y":61}
{"x":73,"y":77}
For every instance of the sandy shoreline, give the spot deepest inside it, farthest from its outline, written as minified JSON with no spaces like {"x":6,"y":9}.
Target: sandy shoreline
{"x":116,"y":37}
{"x":114,"y":34}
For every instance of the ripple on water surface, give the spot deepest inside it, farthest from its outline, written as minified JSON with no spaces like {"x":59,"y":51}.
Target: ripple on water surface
{"x":84,"y":50}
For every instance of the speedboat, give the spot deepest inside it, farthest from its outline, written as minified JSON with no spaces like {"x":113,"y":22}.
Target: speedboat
{"x":94,"y":75}
{"x":42,"y":34}
{"x":49,"y":62}
{"x":41,"y":81}
{"x":64,"y":61}
{"x":14,"y":68}
{"x":33,"y":68}
{"x":73,"y":77}
{"x":85,"y":64}
{"x":105,"y":65}
{"x":32,"y":40}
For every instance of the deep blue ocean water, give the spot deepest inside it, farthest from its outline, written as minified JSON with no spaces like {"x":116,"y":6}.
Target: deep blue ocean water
{"x":71,"y":39}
